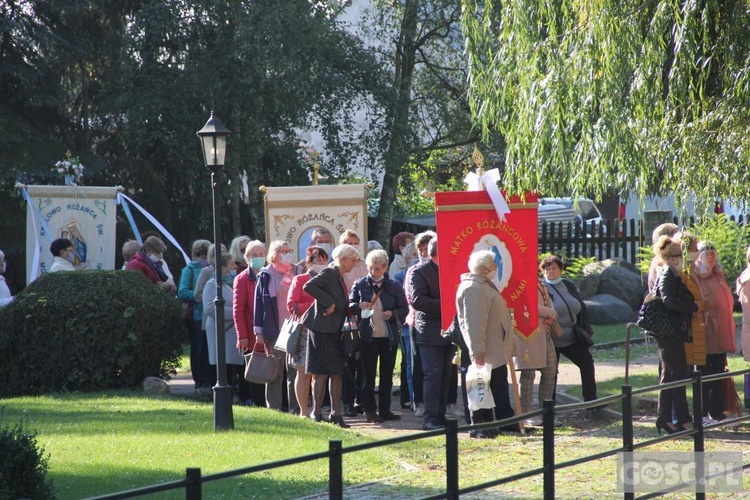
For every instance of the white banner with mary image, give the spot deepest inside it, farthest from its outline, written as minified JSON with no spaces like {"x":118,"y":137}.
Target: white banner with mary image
{"x":84,"y":215}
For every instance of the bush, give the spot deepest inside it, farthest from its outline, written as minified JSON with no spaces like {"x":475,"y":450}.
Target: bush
{"x":23,"y":466}
{"x":89,"y":331}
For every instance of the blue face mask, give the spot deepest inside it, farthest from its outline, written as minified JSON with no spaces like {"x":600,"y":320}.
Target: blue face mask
{"x":553,"y":282}
{"x":257,"y":262}
{"x":228,"y":279}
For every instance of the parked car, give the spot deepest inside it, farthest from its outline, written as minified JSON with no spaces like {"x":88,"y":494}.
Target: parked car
{"x":564,"y":209}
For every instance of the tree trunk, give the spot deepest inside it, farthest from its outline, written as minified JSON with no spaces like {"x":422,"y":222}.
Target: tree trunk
{"x":398,"y":122}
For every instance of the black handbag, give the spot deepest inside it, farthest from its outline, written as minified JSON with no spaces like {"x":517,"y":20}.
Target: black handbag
{"x":290,"y":334}
{"x":658,"y":322}
{"x":351,"y":339}
{"x":453,"y":334}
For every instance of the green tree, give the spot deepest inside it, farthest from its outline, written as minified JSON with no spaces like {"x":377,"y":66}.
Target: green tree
{"x":648,"y":96}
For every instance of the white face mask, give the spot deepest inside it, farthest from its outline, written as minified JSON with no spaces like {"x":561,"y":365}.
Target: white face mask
{"x":325,"y":246}
{"x":492,"y":276}
{"x":286,"y":258}
{"x":156,"y":257}
{"x":318,"y":267}
{"x":677,"y":265}
{"x":71,"y":257}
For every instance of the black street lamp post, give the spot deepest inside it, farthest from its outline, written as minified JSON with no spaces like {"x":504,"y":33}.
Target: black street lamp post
{"x":213,"y":138}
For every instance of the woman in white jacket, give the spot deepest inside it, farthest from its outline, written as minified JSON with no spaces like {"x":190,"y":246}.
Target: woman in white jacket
{"x":234,"y":359}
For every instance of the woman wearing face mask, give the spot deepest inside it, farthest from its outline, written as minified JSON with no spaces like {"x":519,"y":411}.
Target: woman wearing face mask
{"x":487,"y":329}
{"x":271,"y":293}
{"x":234,"y":359}
{"x":298,"y":303}
{"x":255,"y":255}
{"x":720,"y":327}
{"x":567,"y":301}
{"x":679,"y":301}
{"x":380,"y":303}
{"x":148,"y":261}
{"x":63,"y":255}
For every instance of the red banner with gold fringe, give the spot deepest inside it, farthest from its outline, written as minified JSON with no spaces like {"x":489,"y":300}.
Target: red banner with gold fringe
{"x":467,"y":222}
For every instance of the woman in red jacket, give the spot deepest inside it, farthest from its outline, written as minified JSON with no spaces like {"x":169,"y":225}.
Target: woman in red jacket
{"x":243,"y":309}
{"x":298,"y":302}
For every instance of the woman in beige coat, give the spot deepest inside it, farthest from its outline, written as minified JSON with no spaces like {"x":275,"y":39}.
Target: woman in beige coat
{"x":537,"y":352}
{"x":487,"y":329}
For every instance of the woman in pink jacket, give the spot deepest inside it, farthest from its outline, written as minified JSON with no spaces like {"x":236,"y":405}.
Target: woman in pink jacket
{"x":298,"y":302}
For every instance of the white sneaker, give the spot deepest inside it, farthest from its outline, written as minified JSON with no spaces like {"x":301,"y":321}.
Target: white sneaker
{"x":533,"y":422}
{"x":708,"y":421}
{"x":418,"y":409}
{"x":454,"y":411}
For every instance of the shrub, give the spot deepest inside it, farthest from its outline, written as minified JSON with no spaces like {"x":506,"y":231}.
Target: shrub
{"x":88,"y":330}
{"x":23,"y":466}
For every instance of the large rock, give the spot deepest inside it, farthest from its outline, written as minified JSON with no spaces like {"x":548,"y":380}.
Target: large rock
{"x":599,"y":266}
{"x":605,"y":309}
{"x":623,"y":284}
{"x":155,"y":385}
{"x":588,"y":285}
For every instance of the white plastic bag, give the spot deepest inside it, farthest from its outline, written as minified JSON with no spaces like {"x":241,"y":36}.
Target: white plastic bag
{"x":478,"y":387}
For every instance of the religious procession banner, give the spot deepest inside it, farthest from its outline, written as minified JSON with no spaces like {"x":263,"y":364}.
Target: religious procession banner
{"x":84,"y":215}
{"x":470,"y":221}
{"x":293,"y":213}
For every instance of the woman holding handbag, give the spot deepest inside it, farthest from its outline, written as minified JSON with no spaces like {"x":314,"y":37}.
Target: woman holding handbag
{"x":380,"y":303}
{"x":324,"y":321}
{"x":571,"y":315}
{"x":297,"y":304}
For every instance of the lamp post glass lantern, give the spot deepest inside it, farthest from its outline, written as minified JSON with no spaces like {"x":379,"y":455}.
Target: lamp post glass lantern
{"x":213,"y":137}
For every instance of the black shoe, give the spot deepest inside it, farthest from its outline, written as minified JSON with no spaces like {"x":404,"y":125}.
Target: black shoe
{"x":663,"y":425}
{"x":337,"y":419}
{"x":317,"y":418}
{"x":359,"y":409}
{"x":387,"y":415}
{"x":350,"y":412}
{"x":432,"y":426}
{"x":482,"y":434}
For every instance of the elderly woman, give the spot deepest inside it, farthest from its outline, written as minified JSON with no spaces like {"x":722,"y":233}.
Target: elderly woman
{"x":5,"y":295}
{"x":487,"y":329}
{"x":537,"y":352}
{"x":381,"y":304}
{"x":571,"y":310}
{"x":235,"y":361}
{"x":199,"y":367}
{"x":324,"y":357}
{"x":678,"y":300}
{"x":719,"y":324}
{"x":255,"y":255}
{"x":271,"y":293}
{"x":149,"y":261}
{"x":237,"y":250}
{"x":298,"y":302}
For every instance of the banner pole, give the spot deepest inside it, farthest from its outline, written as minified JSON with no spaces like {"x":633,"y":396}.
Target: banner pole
{"x":516,"y":396}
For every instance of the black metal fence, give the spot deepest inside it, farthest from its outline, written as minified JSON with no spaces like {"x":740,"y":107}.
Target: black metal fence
{"x":193,"y":481}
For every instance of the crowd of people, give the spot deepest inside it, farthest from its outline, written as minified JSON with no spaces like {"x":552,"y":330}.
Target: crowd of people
{"x":397,"y":306}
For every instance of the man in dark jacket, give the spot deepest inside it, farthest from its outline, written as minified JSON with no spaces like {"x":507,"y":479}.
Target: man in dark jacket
{"x":435,"y":351}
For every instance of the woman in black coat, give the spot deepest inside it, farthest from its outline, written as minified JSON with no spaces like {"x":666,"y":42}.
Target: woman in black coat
{"x":324,"y":321}
{"x":678,"y":300}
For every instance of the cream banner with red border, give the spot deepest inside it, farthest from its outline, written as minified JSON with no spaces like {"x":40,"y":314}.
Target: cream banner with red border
{"x":293,"y":213}
{"x":468,"y":222}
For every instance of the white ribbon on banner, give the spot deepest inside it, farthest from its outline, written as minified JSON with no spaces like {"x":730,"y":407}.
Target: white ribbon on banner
{"x":488,"y":181}
{"x":152,"y":219}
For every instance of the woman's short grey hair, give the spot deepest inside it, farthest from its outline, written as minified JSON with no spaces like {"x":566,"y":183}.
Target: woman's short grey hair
{"x":252,"y":246}
{"x":200,"y":248}
{"x":479,"y":260}
{"x":377,"y":257}
{"x":274,"y":249}
{"x":235,"y":247}
{"x":345,"y":252}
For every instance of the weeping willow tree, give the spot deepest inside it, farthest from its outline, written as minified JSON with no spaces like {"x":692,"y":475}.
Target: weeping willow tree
{"x":651,"y":97}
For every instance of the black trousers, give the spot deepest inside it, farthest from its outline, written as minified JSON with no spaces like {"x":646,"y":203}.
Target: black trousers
{"x":713,"y":392}
{"x":674,"y":367}
{"x":436,"y":365}
{"x":581,"y":356}
{"x":379,"y":350}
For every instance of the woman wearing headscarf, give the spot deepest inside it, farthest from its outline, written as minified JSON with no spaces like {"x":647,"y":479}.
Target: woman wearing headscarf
{"x":298,"y":303}
{"x":720,"y":327}
{"x":234,"y":359}
{"x":381,"y":304}
{"x":679,"y":301}
{"x":487,"y":329}
{"x":271,"y":293}
{"x":324,"y":354}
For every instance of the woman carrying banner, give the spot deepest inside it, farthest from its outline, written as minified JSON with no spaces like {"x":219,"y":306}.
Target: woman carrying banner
{"x":271,"y":293}
{"x":381,"y":304}
{"x":324,"y":353}
{"x":678,"y":300}
{"x":298,"y":302}
{"x":487,"y":329}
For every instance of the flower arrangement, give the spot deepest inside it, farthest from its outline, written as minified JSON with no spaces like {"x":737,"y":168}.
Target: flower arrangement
{"x":70,"y":167}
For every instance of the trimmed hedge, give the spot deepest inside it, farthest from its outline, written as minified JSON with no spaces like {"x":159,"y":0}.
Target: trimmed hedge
{"x":88,"y":331}
{"x":23,"y":464}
